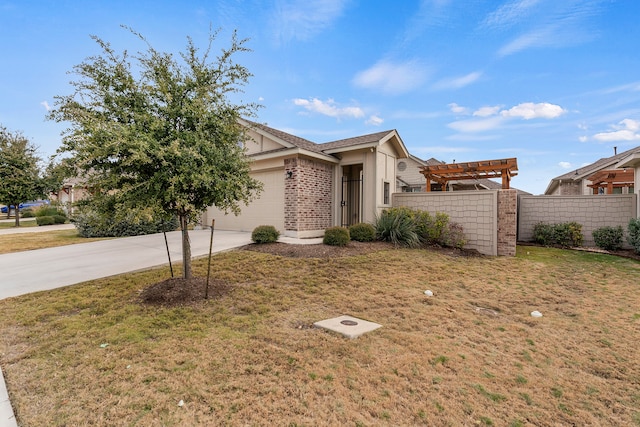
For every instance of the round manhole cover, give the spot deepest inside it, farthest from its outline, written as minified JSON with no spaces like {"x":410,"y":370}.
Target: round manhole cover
{"x":349,"y":323}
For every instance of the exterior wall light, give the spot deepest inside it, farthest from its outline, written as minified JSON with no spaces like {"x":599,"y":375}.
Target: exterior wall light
{"x":289,"y":174}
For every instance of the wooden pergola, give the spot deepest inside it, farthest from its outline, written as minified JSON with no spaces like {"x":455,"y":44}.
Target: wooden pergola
{"x":442,"y":174}
{"x":607,"y":180}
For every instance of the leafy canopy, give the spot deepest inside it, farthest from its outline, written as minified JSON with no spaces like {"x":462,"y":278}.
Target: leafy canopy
{"x":155,"y":130}
{"x":19,"y":170}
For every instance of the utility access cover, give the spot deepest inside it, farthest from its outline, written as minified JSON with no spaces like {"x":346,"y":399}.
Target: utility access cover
{"x":350,"y":327}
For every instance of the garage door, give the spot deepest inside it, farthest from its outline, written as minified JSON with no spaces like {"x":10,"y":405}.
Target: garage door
{"x":267,"y":210}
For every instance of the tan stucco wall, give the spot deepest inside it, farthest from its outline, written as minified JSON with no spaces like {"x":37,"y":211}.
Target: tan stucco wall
{"x":411,"y":174}
{"x":592,"y":212}
{"x":267,"y":210}
{"x":476,"y":211}
{"x":259,"y":143}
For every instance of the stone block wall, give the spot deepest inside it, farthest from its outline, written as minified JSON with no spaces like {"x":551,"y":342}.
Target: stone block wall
{"x":307,"y":196}
{"x":476,"y":211}
{"x":592,"y":212}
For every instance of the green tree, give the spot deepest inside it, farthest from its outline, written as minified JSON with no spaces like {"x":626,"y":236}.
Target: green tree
{"x":153,"y":130}
{"x":19,"y":171}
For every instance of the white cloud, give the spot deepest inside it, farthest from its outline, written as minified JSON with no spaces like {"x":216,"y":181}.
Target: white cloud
{"x":565,"y":165}
{"x":375,"y":121}
{"x":626,"y":130}
{"x":529,"y":110}
{"x":492,"y":117}
{"x":391,"y":77}
{"x":509,"y":13}
{"x":487,"y":111}
{"x":455,"y":108}
{"x":546,"y":23}
{"x":476,"y":125}
{"x":45,"y":104}
{"x":303,"y":19}
{"x":458,"y":82}
{"x":583,"y":139}
{"x":329,"y":108}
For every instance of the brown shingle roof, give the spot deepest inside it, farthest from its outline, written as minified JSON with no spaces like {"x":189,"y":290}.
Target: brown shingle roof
{"x":287,"y":137}
{"x":358,"y":140}
{"x":595,"y":166}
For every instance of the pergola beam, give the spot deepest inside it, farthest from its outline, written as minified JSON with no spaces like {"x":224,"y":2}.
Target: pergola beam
{"x":443,"y":173}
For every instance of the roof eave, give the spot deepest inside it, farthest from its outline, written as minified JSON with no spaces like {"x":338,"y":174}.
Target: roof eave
{"x":631,"y":161}
{"x":293,"y":152}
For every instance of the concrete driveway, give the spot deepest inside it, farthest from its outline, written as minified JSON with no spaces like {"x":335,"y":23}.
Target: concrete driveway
{"x":44,"y":269}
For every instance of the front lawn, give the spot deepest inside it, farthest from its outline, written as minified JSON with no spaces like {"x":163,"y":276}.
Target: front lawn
{"x":46,"y":239}
{"x":93,"y":354}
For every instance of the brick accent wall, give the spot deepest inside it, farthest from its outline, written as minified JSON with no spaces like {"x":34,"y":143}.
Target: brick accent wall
{"x":507,"y":222}
{"x":592,"y":212}
{"x":307,"y":195}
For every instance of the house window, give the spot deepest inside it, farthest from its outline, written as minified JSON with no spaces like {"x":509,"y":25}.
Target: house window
{"x":385,"y":196}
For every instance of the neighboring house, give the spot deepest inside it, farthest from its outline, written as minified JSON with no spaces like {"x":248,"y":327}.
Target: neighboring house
{"x":411,"y":180}
{"x":309,"y":187}
{"x":606,"y":176}
{"x":72,"y":191}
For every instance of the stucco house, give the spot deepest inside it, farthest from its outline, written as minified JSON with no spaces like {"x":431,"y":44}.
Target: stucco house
{"x":309,"y":187}
{"x":611,"y":175}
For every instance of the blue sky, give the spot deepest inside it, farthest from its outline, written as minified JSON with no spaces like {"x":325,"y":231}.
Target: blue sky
{"x":555,"y":83}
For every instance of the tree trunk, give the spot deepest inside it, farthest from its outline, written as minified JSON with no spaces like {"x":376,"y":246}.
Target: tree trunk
{"x":17,"y":212}
{"x":186,"y":247}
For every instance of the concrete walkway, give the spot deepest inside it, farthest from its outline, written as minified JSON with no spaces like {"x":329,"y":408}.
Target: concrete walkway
{"x":50,"y":268}
{"x":45,"y":269}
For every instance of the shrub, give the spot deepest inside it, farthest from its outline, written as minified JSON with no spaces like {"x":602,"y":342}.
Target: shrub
{"x":265,"y":234}
{"x":633,"y":234}
{"x":45,"y":220}
{"x":608,"y":238}
{"x":27,"y":213}
{"x":125,"y":222}
{"x":566,"y":235}
{"x":362,"y":232}
{"x":433,"y":230}
{"x":336,"y":236}
{"x":454,"y":236}
{"x":59,"y":219}
{"x":397,"y":225}
{"x":47,"y":210}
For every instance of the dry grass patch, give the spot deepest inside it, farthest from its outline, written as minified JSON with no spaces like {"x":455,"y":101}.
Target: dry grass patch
{"x":47,"y":239}
{"x":93,"y":354}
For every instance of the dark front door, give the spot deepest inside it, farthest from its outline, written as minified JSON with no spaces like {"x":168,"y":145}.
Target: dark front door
{"x":351,"y":201}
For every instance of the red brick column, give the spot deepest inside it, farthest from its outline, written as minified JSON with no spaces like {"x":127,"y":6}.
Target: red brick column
{"x":507,"y":222}
{"x":307,"y":196}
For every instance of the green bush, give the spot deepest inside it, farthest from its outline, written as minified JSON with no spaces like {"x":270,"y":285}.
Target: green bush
{"x":398,"y":226}
{"x":633,"y":234}
{"x":59,"y":219}
{"x":27,"y":213}
{"x":434,"y":230}
{"x":336,"y":236}
{"x":125,"y":222}
{"x":565,"y":235}
{"x":48,"y":210}
{"x":265,"y":234}
{"x":45,"y":220}
{"x":608,"y":238}
{"x":362,"y":232}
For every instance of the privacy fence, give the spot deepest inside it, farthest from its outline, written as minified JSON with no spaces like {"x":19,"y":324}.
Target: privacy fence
{"x":495,"y":220}
{"x":591,"y":212}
